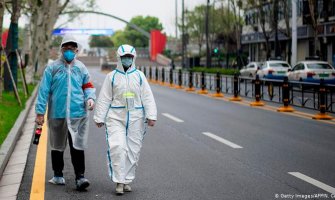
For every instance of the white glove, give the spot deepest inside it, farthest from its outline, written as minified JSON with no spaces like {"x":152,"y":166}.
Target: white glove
{"x":90,"y":104}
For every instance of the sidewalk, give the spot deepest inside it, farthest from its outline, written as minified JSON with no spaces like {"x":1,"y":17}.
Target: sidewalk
{"x":13,"y":172}
{"x":12,"y":176}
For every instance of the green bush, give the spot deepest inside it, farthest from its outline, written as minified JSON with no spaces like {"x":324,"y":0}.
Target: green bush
{"x":215,"y":70}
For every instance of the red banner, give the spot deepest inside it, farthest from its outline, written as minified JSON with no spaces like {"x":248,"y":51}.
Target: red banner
{"x":157,"y":43}
{"x":4,"y":37}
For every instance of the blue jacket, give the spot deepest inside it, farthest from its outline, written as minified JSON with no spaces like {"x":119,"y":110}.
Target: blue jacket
{"x":54,"y":89}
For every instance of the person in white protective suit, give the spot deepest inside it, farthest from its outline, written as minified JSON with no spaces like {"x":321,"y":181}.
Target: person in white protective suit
{"x":126,"y":106}
{"x":68,"y":92}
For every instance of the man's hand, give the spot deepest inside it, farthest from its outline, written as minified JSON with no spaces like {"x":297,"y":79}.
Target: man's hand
{"x":151,"y":122}
{"x":39,"y":119}
{"x":90,"y":104}
{"x":99,"y":125}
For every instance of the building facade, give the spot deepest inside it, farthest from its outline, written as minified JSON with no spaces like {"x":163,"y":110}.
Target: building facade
{"x":253,"y":36}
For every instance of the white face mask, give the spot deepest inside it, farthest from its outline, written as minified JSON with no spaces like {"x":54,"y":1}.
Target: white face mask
{"x":126,"y":61}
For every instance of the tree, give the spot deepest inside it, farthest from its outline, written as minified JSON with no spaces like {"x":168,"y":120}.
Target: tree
{"x":12,"y":45}
{"x":314,"y":22}
{"x":147,"y":23}
{"x":287,"y":13}
{"x":264,"y":15}
{"x":119,"y":38}
{"x":43,"y":17}
{"x":224,"y":25}
{"x":100,"y":41}
{"x":195,"y":24}
{"x":56,"y":41}
{"x":275,"y":26}
{"x":236,"y":7}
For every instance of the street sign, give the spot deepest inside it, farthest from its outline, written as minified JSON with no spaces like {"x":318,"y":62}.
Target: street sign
{"x":63,"y":31}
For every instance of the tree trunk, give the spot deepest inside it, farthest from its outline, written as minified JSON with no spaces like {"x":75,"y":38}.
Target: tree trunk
{"x":265,"y":34}
{"x":313,"y":13}
{"x":2,"y":9}
{"x":200,"y":45}
{"x":42,"y":23}
{"x":275,"y":27}
{"x":288,"y":30}
{"x":12,"y":45}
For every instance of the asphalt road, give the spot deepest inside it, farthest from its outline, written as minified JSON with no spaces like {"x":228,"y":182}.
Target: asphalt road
{"x":179,"y":159}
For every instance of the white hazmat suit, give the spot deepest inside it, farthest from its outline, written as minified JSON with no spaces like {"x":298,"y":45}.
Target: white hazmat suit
{"x":124,"y":104}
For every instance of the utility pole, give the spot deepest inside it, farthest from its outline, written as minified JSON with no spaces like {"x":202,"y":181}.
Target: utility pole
{"x":275,"y":12}
{"x":176,"y":18}
{"x":208,"y":58}
{"x":294,"y":33}
{"x":183,"y":35}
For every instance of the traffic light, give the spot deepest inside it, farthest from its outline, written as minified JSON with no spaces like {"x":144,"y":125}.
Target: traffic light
{"x":215,"y":52}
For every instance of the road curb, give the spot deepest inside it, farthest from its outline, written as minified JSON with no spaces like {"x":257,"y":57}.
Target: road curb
{"x":8,"y":145}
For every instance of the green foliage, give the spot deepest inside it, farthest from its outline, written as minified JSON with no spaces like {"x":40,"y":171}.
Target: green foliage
{"x":167,"y":53}
{"x":132,"y":36}
{"x":119,"y":38}
{"x":222,"y":24}
{"x":10,"y":110}
{"x":21,"y":37}
{"x":100,"y":41}
{"x":56,"y":41}
{"x":195,"y":24}
{"x":215,"y":70}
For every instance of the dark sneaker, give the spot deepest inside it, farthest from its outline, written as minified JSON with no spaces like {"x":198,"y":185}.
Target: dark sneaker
{"x":119,"y":188}
{"x":127,"y":188}
{"x":82,"y":183}
{"x":57,"y":180}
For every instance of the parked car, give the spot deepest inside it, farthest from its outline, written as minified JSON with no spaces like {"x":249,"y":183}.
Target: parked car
{"x":274,"y":69}
{"x":312,"y":71}
{"x":250,"y":69}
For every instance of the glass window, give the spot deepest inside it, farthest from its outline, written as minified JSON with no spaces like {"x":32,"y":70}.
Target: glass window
{"x":299,"y":67}
{"x":319,"y":66}
{"x":278,"y":65}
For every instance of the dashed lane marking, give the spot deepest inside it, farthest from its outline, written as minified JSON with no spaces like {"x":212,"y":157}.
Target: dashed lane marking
{"x":176,"y":119}
{"x":224,"y":141}
{"x":313,"y":182}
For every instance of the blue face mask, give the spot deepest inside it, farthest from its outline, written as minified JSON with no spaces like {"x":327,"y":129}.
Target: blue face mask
{"x":69,"y":55}
{"x":126,"y":61}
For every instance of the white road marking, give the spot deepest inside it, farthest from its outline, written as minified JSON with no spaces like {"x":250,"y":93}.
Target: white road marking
{"x":176,"y":119}
{"x":313,"y":182}
{"x":224,"y":141}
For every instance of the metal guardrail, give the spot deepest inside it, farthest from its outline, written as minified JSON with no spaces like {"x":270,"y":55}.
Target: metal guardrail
{"x":302,"y":94}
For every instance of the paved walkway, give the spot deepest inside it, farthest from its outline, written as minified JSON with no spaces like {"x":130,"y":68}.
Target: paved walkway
{"x":12,"y":176}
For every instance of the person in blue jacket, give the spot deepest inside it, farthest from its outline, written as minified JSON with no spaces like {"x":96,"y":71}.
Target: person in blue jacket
{"x":67,"y":91}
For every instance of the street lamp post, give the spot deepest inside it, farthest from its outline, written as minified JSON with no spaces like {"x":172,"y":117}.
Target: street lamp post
{"x":183,"y":35}
{"x":208,"y":58}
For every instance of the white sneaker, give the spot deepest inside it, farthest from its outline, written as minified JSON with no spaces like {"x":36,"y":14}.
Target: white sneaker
{"x":126,"y":188}
{"x":119,"y":188}
{"x":56,"y":180}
